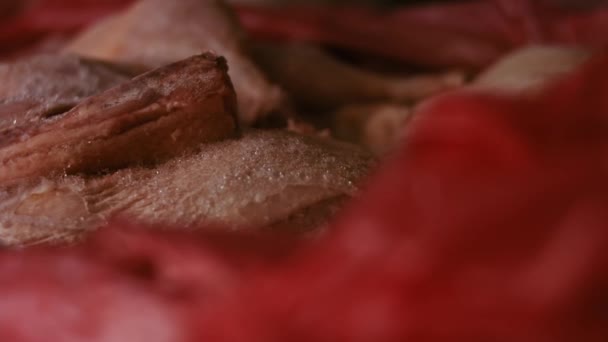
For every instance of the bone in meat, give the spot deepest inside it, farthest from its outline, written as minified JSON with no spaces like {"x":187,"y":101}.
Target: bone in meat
{"x":148,"y":119}
{"x":317,"y":80}
{"x":156,"y":32}
{"x":263,"y":180}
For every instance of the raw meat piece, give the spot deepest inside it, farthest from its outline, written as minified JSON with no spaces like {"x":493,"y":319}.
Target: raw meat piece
{"x":33,"y":23}
{"x":454,"y":34}
{"x":462,"y":34}
{"x":301,"y":126}
{"x":524,"y":72}
{"x":265,"y":180}
{"x":157,"y":32}
{"x":316,"y":80}
{"x":155,"y":116}
{"x":530,"y":68}
{"x":379,"y":127}
{"x":45,"y":84}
